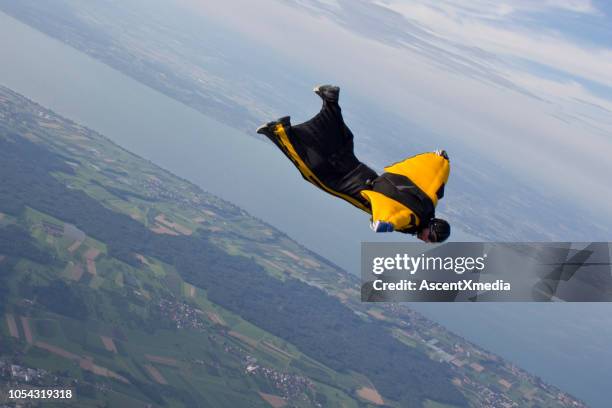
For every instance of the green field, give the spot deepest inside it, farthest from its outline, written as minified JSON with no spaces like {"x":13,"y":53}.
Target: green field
{"x":122,"y":288}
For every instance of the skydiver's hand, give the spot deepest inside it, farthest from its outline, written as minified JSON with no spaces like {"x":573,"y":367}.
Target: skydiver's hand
{"x":381,"y":226}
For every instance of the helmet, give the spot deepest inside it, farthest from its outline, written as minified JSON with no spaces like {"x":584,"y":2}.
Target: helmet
{"x":439,"y":230}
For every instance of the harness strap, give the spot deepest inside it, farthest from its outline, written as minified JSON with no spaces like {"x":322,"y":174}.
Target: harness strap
{"x":403,"y":190}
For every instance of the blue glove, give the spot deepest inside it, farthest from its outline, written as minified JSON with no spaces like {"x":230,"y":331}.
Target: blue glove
{"x":381,"y":226}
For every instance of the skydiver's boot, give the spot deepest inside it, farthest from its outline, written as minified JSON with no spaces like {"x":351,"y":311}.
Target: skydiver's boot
{"x":328,"y":93}
{"x":268,"y":129}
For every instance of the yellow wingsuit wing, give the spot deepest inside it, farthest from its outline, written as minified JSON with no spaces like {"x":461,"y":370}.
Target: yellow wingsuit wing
{"x":428,"y":171}
{"x":389,"y":210}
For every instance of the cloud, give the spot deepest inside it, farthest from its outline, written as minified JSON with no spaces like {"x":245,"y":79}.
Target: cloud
{"x":466,"y":73}
{"x":472,"y":31}
{"x":578,"y":6}
{"x":502,"y":10}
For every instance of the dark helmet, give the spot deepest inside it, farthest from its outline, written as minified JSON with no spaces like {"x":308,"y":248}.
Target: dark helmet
{"x":439,"y":230}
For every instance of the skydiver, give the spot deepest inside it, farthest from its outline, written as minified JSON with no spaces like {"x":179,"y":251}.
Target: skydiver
{"x":402,"y":199}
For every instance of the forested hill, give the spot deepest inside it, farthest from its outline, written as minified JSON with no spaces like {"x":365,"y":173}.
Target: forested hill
{"x":139,"y":288}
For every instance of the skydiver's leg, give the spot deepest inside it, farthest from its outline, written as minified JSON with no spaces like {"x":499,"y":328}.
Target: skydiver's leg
{"x":326,"y":132}
{"x":268,"y":130}
{"x":324,"y":142}
{"x":322,"y":150}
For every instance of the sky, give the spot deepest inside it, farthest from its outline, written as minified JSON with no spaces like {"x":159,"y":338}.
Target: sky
{"x":527,"y":83}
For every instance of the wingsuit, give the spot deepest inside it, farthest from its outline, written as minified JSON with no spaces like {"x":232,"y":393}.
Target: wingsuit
{"x":403,"y":198}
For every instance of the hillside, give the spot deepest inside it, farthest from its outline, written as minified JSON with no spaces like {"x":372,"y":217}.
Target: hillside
{"x":135,"y":287}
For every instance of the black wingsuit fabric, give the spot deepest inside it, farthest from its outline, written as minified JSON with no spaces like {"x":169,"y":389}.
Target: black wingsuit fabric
{"x":324,"y":144}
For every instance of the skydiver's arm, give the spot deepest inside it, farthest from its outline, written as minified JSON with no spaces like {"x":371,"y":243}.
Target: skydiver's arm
{"x":381,"y":226}
{"x":388,"y":215}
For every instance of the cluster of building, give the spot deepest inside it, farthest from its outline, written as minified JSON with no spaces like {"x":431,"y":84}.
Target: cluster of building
{"x":154,"y":188}
{"x":488,"y":397}
{"x":469,"y":361}
{"x":182,"y":314}
{"x":52,"y":229}
{"x":290,"y":386}
{"x":21,"y":374}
